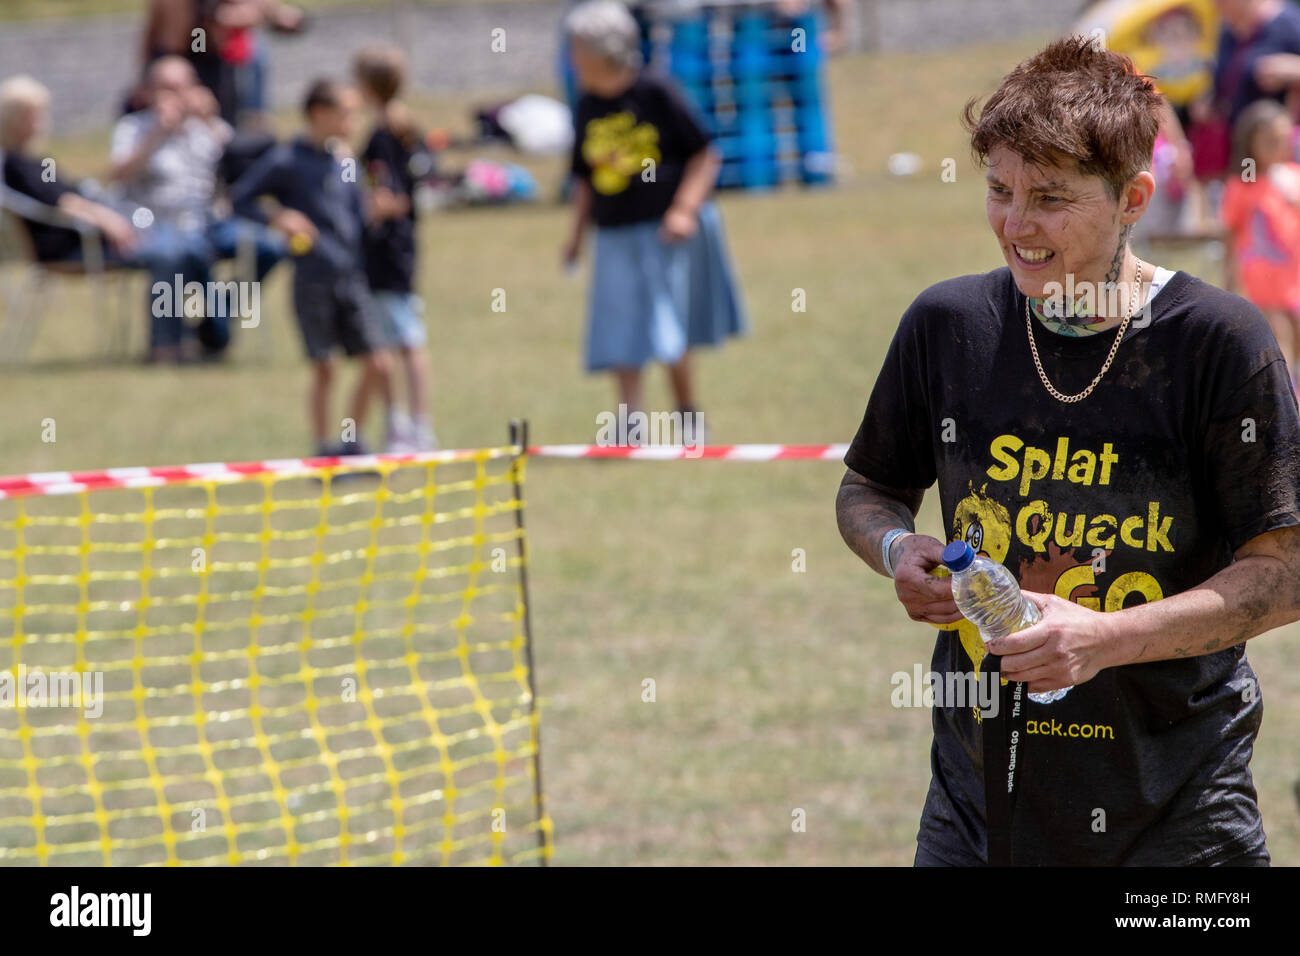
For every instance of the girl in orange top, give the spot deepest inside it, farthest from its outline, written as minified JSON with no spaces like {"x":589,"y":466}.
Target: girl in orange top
{"x":1261,"y":212}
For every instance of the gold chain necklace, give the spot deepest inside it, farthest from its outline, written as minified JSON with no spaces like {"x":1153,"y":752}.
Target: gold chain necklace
{"x":1038,"y":364}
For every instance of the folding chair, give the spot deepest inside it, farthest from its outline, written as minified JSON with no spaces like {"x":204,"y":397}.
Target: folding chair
{"x":27,"y":292}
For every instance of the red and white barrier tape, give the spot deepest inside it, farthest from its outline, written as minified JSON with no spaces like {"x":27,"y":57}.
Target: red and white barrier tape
{"x":73,"y":482}
{"x":675,"y":452}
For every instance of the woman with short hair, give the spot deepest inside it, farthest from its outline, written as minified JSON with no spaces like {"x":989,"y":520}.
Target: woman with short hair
{"x":1124,"y":439}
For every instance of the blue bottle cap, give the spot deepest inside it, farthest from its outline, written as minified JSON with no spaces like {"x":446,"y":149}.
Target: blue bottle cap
{"x":958,"y":556}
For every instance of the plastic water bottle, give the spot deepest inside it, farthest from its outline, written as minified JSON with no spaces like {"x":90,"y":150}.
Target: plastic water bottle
{"x":988,"y":596}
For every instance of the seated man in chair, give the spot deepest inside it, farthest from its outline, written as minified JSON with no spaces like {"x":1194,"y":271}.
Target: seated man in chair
{"x":56,"y":215}
{"x":164,"y":161}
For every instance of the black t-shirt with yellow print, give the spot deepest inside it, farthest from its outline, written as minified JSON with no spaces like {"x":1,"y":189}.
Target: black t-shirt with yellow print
{"x":633,"y":149}
{"x":1188,"y":447}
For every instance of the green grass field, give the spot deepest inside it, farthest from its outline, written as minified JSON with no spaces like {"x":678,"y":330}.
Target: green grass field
{"x":772,"y":686}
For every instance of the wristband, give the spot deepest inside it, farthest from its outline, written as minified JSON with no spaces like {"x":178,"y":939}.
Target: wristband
{"x":886,"y":543}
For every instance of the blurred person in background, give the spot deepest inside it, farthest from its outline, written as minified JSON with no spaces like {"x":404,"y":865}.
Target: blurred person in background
{"x":221,"y":40}
{"x":661,"y":280}
{"x":189,"y":29}
{"x":1258,"y":46}
{"x":1175,"y":205}
{"x":163,"y":161}
{"x":836,"y":12}
{"x":395,"y":159}
{"x":319,"y":207}
{"x":243,"y":46}
{"x":1261,"y":214}
{"x":23,"y":116}
{"x":24,"y":119}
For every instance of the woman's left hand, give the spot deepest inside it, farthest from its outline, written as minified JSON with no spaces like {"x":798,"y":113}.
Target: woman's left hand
{"x":678,"y":225}
{"x":1067,"y":647}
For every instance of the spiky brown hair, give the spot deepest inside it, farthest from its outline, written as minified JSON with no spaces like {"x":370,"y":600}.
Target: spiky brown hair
{"x":1074,"y":102}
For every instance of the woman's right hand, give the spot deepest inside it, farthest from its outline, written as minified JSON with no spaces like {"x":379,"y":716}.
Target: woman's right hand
{"x":926,"y":597}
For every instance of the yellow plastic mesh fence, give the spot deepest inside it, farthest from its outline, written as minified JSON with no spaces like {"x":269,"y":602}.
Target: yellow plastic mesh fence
{"x":296,"y":665}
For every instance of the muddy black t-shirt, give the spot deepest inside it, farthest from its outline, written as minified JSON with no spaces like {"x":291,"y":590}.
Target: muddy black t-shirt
{"x":1188,"y":447}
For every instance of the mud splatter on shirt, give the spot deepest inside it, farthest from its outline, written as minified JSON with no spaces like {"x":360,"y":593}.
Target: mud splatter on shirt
{"x":1188,"y":448}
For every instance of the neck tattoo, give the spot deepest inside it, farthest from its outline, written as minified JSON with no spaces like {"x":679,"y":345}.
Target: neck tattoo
{"x":1076,"y":318}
